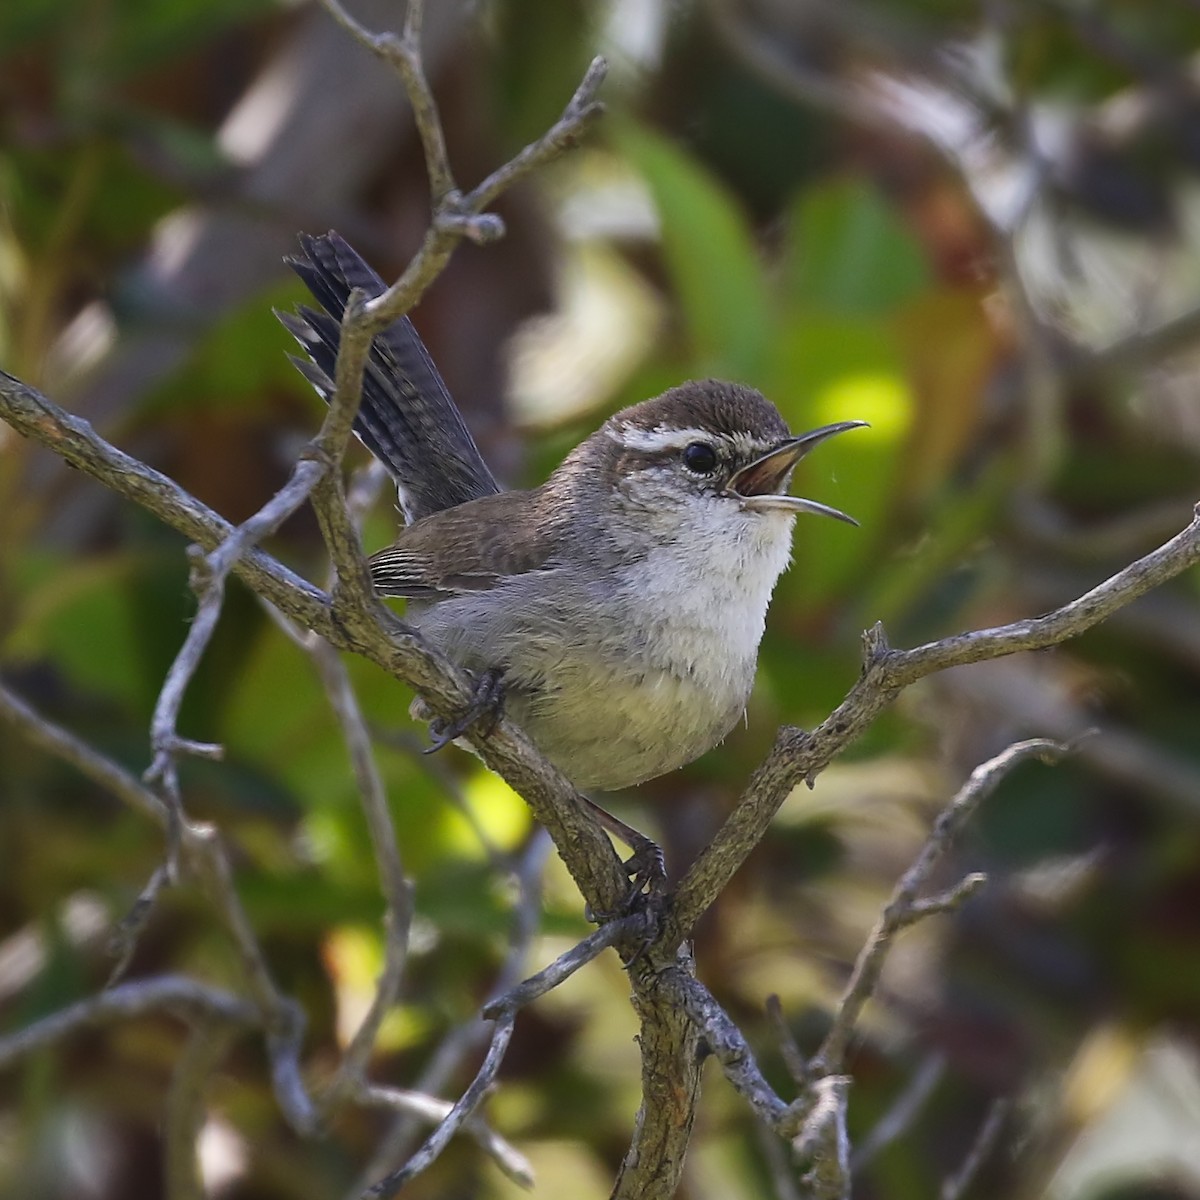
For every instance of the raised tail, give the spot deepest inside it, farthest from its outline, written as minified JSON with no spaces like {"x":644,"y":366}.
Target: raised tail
{"x":406,"y":418}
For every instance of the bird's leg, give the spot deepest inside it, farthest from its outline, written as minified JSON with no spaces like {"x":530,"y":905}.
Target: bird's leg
{"x":485,"y":708}
{"x":646,"y":867}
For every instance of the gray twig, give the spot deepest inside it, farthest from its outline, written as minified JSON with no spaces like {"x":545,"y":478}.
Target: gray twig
{"x":503,"y":1012}
{"x":727,"y":1044}
{"x":458,"y":1115}
{"x":466,"y":1039}
{"x":564,"y":966}
{"x":981,"y":1149}
{"x":184,"y":1112}
{"x":432,"y":1111}
{"x":798,"y":755}
{"x":904,"y":1111}
{"x":203,"y":855}
{"x":904,"y":907}
{"x":396,"y":886}
{"x":209,"y":573}
{"x":177,"y":994}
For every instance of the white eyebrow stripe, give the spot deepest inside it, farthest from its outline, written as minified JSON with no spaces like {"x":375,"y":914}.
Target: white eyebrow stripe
{"x":659,"y":438}
{"x":664,"y":437}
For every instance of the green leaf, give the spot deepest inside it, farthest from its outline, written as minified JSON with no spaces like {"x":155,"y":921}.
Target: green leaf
{"x":79,"y":615}
{"x":835,"y":369}
{"x":710,"y":256}
{"x":848,"y":253}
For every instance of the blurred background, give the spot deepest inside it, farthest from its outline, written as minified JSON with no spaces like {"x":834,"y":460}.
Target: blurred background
{"x":975,"y":225}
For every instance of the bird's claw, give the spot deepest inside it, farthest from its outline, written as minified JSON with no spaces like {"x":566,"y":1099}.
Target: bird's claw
{"x":647,"y":871}
{"x":485,"y":708}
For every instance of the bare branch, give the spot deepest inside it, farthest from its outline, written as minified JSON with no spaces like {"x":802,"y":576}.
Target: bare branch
{"x":183,"y":1115}
{"x":793,"y":1056}
{"x":124,"y":939}
{"x":457,"y":1116}
{"x":830,"y":1058}
{"x":203,"y":855}
{"x":54,"y":740}
{"x":403,"y":53}
{"x":465,"y":1040}
{"x":565,"y":965}
{"x":208,"y":577}
{"x":800,"y":756}
{"x":669,"y":1042}
{"x":956,"y":1186}
{"x":815,"y":1123}
{"x":503,"y":1012}
{"x":432,"y":1111}
{"x":397,"y":888}
{"x":564,"y":134}
{"x":176,"y":994}
{"x":944,"y":902}
{"x":729,"y":1047}
{"x":904,"y":1111}
{"x":378,"y":636}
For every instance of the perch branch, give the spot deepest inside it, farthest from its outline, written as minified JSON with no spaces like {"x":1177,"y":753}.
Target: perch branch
{"x":798,"y":755}
{"x":586,"y":850}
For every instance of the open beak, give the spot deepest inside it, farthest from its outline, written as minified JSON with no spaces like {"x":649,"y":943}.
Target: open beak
{"x":761,"y":485}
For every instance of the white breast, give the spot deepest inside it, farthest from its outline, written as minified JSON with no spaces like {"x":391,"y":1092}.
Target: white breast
{"x":705,"y":594}
{"x":628,"y":680}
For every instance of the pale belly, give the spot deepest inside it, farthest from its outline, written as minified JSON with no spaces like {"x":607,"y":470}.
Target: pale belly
{"x":619,"y":684}
{"x":617,"y":730}
{"x":606,"y":711}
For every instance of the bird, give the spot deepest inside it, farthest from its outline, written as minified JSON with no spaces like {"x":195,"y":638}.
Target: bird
{"x":618,"y":607}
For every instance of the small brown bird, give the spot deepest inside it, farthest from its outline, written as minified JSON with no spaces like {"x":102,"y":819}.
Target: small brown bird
{"x":621,"y":603}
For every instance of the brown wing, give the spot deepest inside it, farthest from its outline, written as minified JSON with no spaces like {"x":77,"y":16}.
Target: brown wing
{"x":469,"y":548}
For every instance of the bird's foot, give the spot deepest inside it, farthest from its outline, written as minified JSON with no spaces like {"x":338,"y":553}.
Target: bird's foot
{"x":485,"y":708}
{"x":647,"y":871}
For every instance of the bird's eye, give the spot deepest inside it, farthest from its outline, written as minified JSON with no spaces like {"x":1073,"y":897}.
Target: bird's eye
{"x":700,"y":458}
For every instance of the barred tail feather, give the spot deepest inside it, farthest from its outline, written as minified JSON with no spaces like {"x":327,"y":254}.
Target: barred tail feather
{"x":407,"y":418}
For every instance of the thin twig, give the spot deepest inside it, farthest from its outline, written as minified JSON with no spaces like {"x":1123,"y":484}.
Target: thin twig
{"x":793,"y":1056}
{"x":184,"y":1111}
{"x":729,"y":1047}
{"x":904,"y":1111}
{"x":503,"y":1012}
{"x":432,"y":1111}
{"x":397,"y":887}
{"x":188,"y":998}
{"x":981,"y":1149}
{"x":798,"y":755}
{"x":209,"y":573}
{"x":461,"y":1112}
{"x":564,"y":966}
{"x":466,"y":1039}
{"x":904,"y":908}
{"x":203,"y":855}
{"x":129,"y":929}
{"x":403,"y":53}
